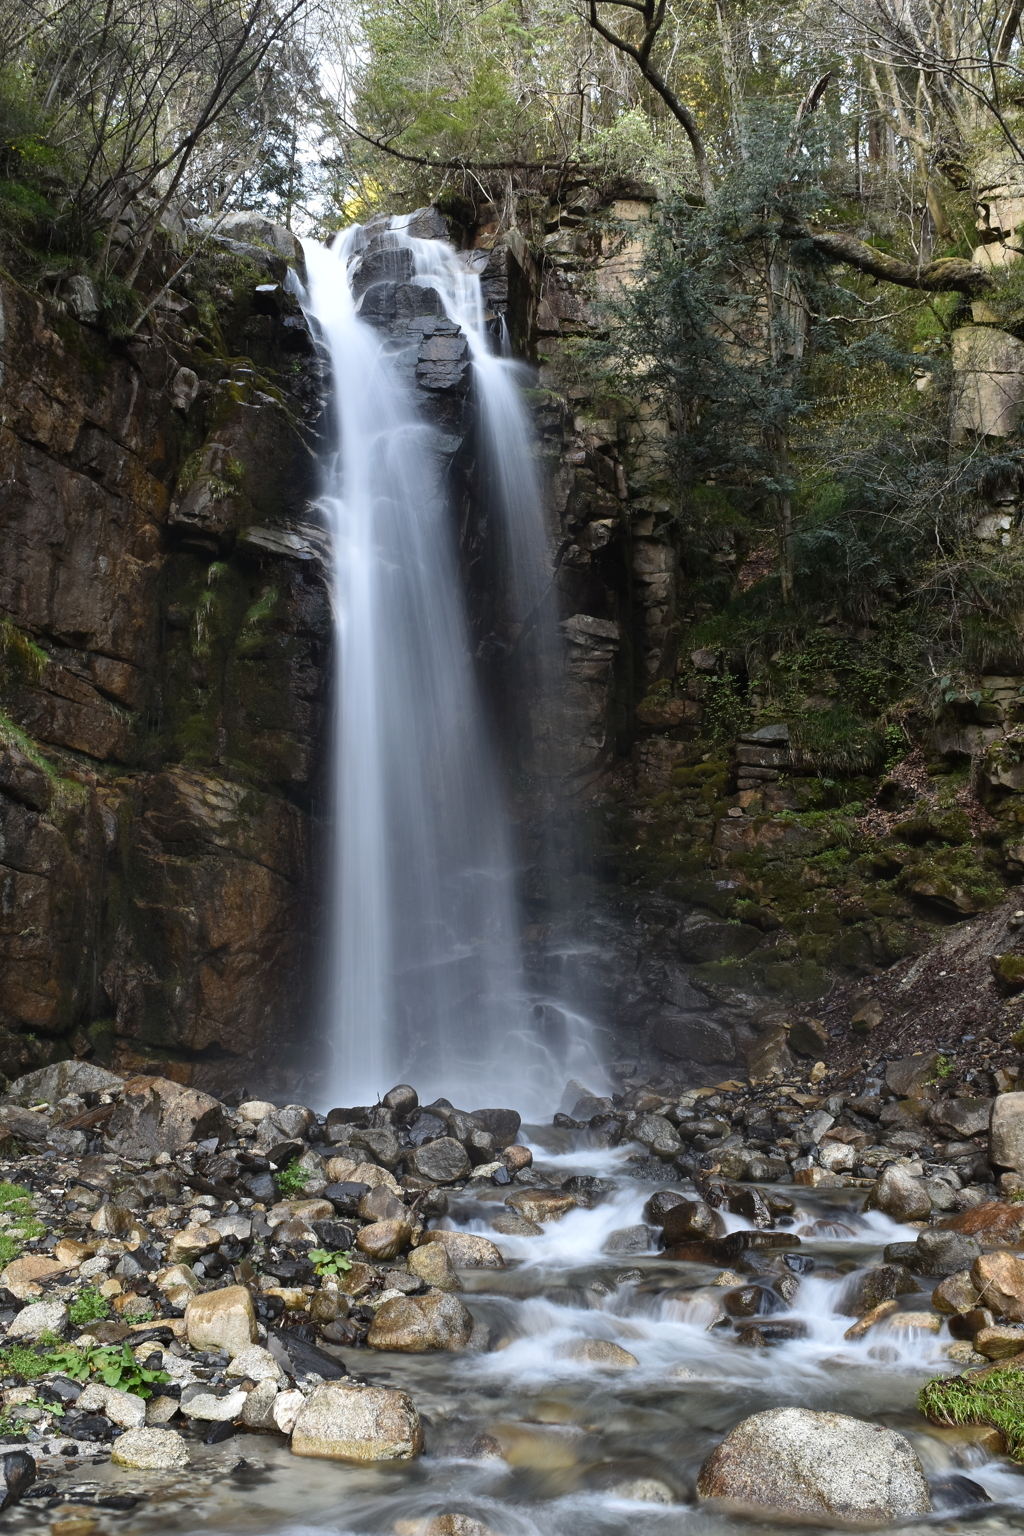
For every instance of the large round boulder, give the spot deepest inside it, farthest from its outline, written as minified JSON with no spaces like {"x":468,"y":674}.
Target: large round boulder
{"x":357,"y":1424}
{"x":810,"y":1466}
{"x":415,"y":1324}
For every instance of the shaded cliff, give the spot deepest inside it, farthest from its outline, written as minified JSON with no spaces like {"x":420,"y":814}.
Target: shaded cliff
{"x":164,"y":638}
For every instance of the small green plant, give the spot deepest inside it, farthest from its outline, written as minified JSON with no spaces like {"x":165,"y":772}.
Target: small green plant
{"x":115,"y":1365}
{"x":49,"y":1354}
{"x":291,"y":1180}
{"x":88,"y":1307}
{"x":945,"y":1066}
{"x":331,"y":1261}
{"x":16,"y":1202}
{"x":996,"y":1398}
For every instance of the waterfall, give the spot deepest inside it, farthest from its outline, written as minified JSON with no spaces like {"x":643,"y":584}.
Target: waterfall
{"x":425,"y":976}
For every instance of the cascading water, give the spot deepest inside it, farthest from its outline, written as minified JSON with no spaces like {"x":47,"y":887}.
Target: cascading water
{"x":425,"y":975}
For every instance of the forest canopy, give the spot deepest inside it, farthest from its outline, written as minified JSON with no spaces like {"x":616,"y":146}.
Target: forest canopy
{"x":838,"y":187}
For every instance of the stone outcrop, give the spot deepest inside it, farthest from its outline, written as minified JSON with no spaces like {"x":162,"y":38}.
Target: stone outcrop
{"x":163,"y":623}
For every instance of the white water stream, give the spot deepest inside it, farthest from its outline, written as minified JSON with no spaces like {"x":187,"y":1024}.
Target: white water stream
{"x":426,"y":983}
{"x":528,"y":1440}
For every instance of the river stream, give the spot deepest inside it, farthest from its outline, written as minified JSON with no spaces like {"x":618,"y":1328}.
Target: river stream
{"x":528,"y":1439}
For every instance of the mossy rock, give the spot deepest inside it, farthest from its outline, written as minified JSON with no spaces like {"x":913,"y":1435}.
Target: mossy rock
{"x":1008,"y":971}
{"x":803,"y":981}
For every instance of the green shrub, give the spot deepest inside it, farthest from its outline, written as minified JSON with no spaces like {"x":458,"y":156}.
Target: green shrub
{"x":291,"y":1180}
{"x":88,"y":1306}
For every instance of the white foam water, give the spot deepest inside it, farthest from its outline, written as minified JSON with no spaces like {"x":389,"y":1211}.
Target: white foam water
{"x":426,"y":983}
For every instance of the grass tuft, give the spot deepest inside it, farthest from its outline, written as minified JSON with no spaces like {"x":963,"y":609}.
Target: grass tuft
{"x":995,"y":1398}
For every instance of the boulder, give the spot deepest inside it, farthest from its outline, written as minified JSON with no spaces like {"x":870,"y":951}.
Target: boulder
{"x":285,"y":1410}
{"x":203,"y":1403}
{"x":540,"y":1205}
{"x":65,"y":1077}
{"x":40,"y":1317}
{"x":692,"y":1037}
{"x":431,"y":1263}
{"x":1006,"y":1135}
{"x":258,"y":1412}
{"x":900,"y":1196}
{"x":466,"y":1250}
{"x":998,"y":1279}
{"x":822,"y":1467}
{"x":416,"y":1324}
{"x":20,"y":1275}
{"x":598,"y":1352}
{"x":384,"y":1239}
{"x":156,"y":1115}
{"x":808,"y":1037}
{"x":178,"y":1284}
{"x":837,"y":1157}
{"x":914,"y":1077}
{"x":150,"y":1450}
{"x":256,"y":1364}
{"x":996,"y":1221}
{"x":660,"y":1203}
{"x":122,"y":1408}
{"x":637,"y":1239}
{"x":192,"y":1243}
{"x":358,"y":1424}
{"x":442,"y":1162}
{"x":222,"y":1320}
{"x":689,"y":1219}
{"x":955,"y":1294}
{"x":382,"y":1145}
{"x":999,"y":1341}
{"x":511,"y":1225}
{"x":940,"y":1252}
{"x":658,"y":1135}
{"x":962,"y":1117}
{"x":869,"y":1288}
{"x":502,"y":1124}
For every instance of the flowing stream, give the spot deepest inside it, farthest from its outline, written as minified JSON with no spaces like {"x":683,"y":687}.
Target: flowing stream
{"x":528,"y":1439}
{"x":426,"y":981}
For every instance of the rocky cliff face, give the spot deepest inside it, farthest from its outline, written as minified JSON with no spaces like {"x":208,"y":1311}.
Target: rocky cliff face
{"x":164,"y":630}
{"x":165,"y":636}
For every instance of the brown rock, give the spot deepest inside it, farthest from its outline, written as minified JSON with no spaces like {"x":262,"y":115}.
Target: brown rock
{"x":21,"y":1275}
{"x":692,"y":1219}
{"x":222,"y":1319}
{"x":381,"y":1205}
{"x":955,"y":1294}
{"x":877,"y":1314}
{"x":156,"y":1115}
{"x":999,"y":1342}
{"x":993,"y":1222}
{"x":357,"y":1424}
{"x":598,"y":1352}
{"x":466,"y":1250}
{"x":540,"y":1205}
{"x":998,"y":1279}
{"x":430,"y":1262}
{"x":384,"y":1239}
{"x":191,"y":1244}
{"x":516,"y":1158}
{"x":416,"y":1324}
